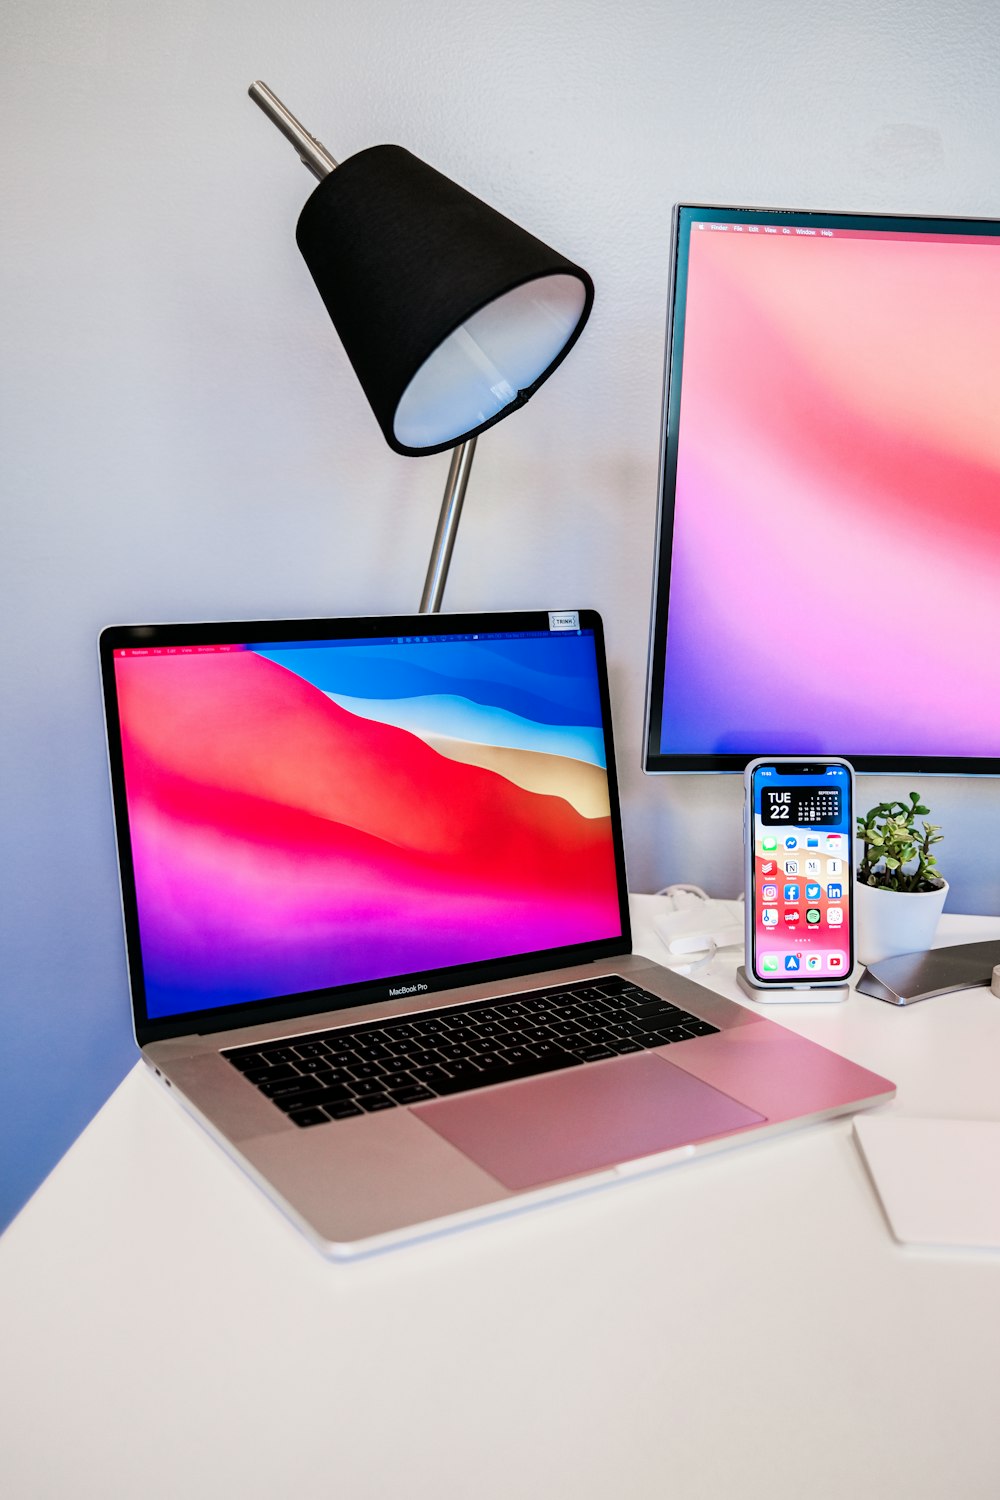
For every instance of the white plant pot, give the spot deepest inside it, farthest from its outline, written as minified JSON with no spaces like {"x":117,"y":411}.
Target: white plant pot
{"x":893,"y":922}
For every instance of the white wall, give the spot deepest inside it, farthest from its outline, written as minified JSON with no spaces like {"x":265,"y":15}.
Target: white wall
{"x":182,"y":436}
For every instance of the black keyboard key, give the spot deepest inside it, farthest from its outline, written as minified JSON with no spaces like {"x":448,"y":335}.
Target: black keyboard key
{"x":644,"y":1008}
{"x":342,"y":1111}
{"x":308,"y":1117}
{"x":246,"y":1061}
{"x":290,"y":1088}
{"x":399,"y":1046}
{"x":280,"y":1054}
{"x":625,"y":1030}
{"x":364,"y":1070}
{"x":370,"y":1051}
{"x":649,"y":1024}
{"x":516,"y":1054}
{"x":340,"y":1047}
{"x":455,"y":1051}
{"x":676,"y":1034}
{"x":432,"y":1026}
{"x":280,"y":1070}
{"x":320,"y":1064}
{"x":373,"y":1102}
{"x":365,"y":1087}
{"x":291,"y":1102}
{"x":483,"y":1060}
{"x":412,"y":1093}
{"x":551,"y":1056}
{"x":434,"y":1078}
{"x":391,"y":1065}
{"x":333,"y":1075}
{"x":337,"y":1093}
{"x":462,"y":1035}
{"x":425,"y":1057}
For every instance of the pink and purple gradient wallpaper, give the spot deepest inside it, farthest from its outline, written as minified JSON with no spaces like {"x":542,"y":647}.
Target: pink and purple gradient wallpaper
{"x":305,"y":818}
{"x":834,"y":581}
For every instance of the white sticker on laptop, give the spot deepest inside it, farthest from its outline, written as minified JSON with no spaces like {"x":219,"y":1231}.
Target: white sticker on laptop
{"x":564,"y":619}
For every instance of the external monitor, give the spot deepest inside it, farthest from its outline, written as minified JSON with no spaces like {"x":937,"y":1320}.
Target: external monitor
{"x":828,"y":550}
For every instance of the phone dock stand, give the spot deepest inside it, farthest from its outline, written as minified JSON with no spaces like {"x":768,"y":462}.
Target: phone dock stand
{"x":791,"y":994}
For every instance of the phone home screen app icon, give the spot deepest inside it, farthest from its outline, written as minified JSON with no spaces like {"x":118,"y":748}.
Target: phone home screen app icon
{"x":814,"y":963}
{"x":769,"y":892}
{"x":769,"y":964}
{"x":769,"y":916}
{"x":768,"y":843}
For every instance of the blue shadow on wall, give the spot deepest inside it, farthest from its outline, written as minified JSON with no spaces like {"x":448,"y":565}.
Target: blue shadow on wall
{"x":65,"y":1020}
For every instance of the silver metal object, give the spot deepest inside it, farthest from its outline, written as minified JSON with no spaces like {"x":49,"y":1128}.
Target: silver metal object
{"x":444,"y":537}
{"x":919,"y":976}
{"x":312,"y":153}
{"x":790,"y":994}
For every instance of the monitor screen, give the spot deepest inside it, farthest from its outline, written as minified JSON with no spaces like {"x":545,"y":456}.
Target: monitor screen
{"x":828,"y":552}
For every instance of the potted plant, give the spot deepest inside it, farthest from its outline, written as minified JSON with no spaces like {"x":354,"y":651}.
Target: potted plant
{"x":899,"y":892}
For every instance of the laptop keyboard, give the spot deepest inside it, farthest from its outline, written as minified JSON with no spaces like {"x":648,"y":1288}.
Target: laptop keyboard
{"x":355,"y":1070}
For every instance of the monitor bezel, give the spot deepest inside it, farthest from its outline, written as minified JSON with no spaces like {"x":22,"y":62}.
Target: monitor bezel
{"x":654,"y":760}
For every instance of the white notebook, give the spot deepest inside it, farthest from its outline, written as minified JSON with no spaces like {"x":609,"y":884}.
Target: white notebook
{"x":938,"y":1180}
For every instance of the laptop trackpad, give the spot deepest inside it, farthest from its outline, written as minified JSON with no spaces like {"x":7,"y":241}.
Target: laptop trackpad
{"x":582,"y":1119}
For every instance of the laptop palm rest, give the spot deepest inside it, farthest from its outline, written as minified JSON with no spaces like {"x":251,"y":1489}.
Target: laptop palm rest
{"x":584,"y":1119}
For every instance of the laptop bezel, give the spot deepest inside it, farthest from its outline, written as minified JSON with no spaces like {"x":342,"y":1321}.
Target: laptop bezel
{"x":294,"y":1006}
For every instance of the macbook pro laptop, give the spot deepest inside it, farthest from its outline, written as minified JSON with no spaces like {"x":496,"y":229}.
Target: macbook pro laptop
{"x":377,"y":924}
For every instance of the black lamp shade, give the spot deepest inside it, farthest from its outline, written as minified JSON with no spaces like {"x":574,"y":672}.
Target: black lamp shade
{"x":451,"y":315}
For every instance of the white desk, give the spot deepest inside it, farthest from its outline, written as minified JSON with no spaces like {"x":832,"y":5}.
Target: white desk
{"x":740,"y":1326}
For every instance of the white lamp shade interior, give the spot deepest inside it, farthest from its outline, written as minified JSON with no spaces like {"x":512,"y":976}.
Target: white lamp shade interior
{"x":479,"y":369}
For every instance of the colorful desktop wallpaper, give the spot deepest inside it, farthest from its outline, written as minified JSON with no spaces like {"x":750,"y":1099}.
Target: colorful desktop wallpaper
{"x":311,"y":815}
{"x":837,"y":523}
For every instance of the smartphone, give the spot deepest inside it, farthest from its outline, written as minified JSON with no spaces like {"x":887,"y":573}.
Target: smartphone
{"x":799,"y":835}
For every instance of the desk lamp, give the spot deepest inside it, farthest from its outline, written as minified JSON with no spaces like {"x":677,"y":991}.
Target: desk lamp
{"x":451,"y":315}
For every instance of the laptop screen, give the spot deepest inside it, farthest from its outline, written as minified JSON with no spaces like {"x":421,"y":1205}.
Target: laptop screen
{"x":356,"y":806}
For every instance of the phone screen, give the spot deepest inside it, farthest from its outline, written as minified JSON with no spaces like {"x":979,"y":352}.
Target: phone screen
{"x":801,"y":873}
